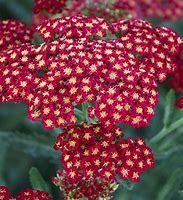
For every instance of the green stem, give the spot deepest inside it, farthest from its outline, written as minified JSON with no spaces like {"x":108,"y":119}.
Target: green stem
{"x":168,"y":143}
{"x":79,"y":113}
{"x":85,"y":111}
{"x":37,"y":181}
{"x":165,"y":131}
{"x":125,"y":183}
{"x":169,"y":152}
{"x":83,"y":114}
{"x":29,"y":143}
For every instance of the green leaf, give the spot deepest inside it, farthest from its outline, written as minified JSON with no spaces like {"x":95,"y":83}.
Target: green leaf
{"x":165,"y":131}
{"x":169,"y":107}
{"x":171,"y":185}
{"x":164,"y":154}
{"x":181,"y":193}
{"x":37,"y":181}
{"x":80,"y":114}
{"x":37,"y":39}
{"x":36,"y":147}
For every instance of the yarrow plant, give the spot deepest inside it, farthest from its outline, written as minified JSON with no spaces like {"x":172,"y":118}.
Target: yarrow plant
{"x":71,"y":68}
{"x":14,"y":32}
{"x":90,"y":152}
{"x":24,"y":195}
{"x":89,"y":189}
{"x":115,"y":9}
{"x":86,"y":75}
{"x":51,"y":6}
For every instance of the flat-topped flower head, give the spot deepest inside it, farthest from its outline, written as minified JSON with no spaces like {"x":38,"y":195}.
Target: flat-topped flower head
{"x":77,"y":63}
{"x":73,"y":28}
{"x":176,"y":81}
{"x":91,"y":152}
{"x":50,"y":6}
{"x":27,"y":194}
{"x":92,"y":190}
{"x":113,"y":10}
{"x":13,"y":32}
{"x":166,"y":10}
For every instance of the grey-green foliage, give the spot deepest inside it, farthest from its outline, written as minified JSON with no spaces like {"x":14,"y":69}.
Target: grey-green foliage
{"x":171,"y":186}
{"x":169,"y":107}
{"x":3,"y":151}
{"x":37,"y":181}
{"x":35,"y":146}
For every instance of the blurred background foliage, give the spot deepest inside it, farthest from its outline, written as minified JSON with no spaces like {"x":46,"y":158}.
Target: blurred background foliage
{"x":24,"y":144}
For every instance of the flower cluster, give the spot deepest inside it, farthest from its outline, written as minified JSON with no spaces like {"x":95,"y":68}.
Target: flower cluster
{"x":90,"y":189}
{"x":76,"y":65}
{"x":27,"y":194}
{"x":115,"y":9}
{"x":51,"y":6}
{"x":13,"y":32}
{"x":167,"y":10}
{"x":176,"y":81}
{"x":90,"y":152}
{"x":179,"y":103}
{"x":110,"y":10}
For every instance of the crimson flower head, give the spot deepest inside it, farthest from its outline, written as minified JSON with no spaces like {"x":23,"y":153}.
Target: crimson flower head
{"x":13,"y":32}
{"x":27,"y":194}
{"x":176,"y":81}
{"x":179,"y":103}
{"x":90,"y":152}
{"x":167,"y":10}
{"x":77,"y":64}
{"x":115,"y":9}
{"x":90,"y":189}
{"x":51,"y":6}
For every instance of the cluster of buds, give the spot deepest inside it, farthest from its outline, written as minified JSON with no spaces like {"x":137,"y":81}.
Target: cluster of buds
{"x":13,"y":32}
{"x":27,"y":194}
{"x":76,"y":64}
{"x":90,"y":151}
{"x":115,"y":9}
{"x":98,"y":189}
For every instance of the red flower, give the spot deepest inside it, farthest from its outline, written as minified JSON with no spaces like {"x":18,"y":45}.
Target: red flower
{"x":135,"y":158}
{"x":119,"y":76}
{"x":4,"y":193}
{"x":167,"y":10}
{"x":51,"y":6}
{"x":179,"y":103}
{"x":13,"y":32}
{"x":176,"y":81}
{"x":92,"y":190}
{"x":114,"y":10}
{"x":27,"y":194}
{"x":90,"y":152}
